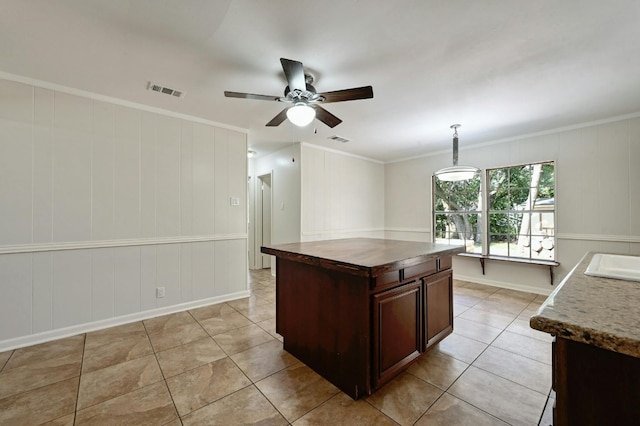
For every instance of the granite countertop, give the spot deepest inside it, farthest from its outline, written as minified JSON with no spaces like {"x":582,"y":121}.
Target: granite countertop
{"x":370,"y":256}
{"x":602,"y":312}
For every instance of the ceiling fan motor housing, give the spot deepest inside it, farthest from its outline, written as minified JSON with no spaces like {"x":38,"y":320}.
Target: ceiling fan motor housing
{"x":307,"y":95}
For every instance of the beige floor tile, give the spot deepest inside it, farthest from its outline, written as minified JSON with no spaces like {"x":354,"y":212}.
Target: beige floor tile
{"x":475,"y":330}
{"x":4,"y":357}
{"x":296,"y":390}
{"x":113,"y":381}
{"x":248,"y":302}
{"x":198,"y":387}
{"x":515,"y":294}
{"x":438,"y":369}
{"x":342,"y":410}
{"x":525,"y":346}
{"x":166,"y":322}
{"x":32,"y":376}
{"x":547,"y":414}
{"x":114,"y":334}
{"x":510,"y":402}
{"x":176,"y":336}
{"x":263,"y":360}
{"x":67,"y":420}
{"x":150,"y":405}
{"x":212,"y":311}
{"x":460,"y":298}
{"x":69,"y":348}
{"x":449,"y":410}
{"x":508,"y":308}
{"x":479,"y":290}
{"x":270,"y":327}
{"x":529,"y":311}
{"x":460,"y":347}
{"x":175,"y":422}
{"x":507,"y":373}
{"x":260,"y":312}
{"x":98,"y":357}
{"x":489,"y":318}
{"x":189,"y":356}
{"x":521,"y":326}
{"x":458,"y":309}
{"x":524,"y":371}
{"x":405,"y":398}
{"x":247,"y":406}
{"x":459,"y":283}
{"x":241,"y":339}
{"x":40,"y":405}
{"x":224,"y":323}
{"x":540,"y":298}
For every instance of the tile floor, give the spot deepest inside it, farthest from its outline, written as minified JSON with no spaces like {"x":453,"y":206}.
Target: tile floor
{"x":224,"y":365}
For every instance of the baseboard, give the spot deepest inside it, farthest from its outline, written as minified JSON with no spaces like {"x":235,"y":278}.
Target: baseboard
{"x":502,"y":284}
{"x":46,"y":336}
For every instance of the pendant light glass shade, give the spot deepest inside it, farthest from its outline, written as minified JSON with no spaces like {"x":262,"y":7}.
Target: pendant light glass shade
{"x":301,"y":114}
{"x":456,"y":173}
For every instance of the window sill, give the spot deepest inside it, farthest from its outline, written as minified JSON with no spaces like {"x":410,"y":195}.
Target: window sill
{"x":482,"y":258}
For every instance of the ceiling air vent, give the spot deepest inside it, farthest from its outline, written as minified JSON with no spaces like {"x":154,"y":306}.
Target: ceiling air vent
{"x":166,"y":90}
{"x":339,"y":139}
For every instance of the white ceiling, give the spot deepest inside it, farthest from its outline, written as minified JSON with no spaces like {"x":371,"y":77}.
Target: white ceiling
{"x":500,"y":68}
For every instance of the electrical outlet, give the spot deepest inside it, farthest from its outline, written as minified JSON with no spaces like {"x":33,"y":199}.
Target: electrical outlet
{"x":159,"y":292}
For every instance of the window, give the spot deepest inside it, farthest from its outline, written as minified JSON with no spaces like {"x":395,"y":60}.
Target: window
{"x":457,"y":211}
{"x":515,"y":220}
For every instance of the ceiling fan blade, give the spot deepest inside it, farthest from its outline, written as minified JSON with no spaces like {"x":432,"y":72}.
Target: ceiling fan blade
{"x":365,"y":92}
{"x":251,"y":96}
{"x":325,"y":116}
{"x":295,"y":74}
{"x":278,"y":119}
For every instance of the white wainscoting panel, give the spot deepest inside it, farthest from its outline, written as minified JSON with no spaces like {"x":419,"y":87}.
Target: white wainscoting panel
{"x":102,"y":202}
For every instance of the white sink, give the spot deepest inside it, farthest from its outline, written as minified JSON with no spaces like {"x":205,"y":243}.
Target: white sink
{"x":614,"y":266}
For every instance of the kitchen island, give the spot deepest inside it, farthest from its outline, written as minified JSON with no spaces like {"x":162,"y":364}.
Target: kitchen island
{"x":359,"y":311}
{"x":596,"y":352}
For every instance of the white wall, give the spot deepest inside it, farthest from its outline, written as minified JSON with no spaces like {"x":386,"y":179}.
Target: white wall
{"x":284,"y":166}
{"x":342,"y":195}
{"x":101,"y":203}
{"x":597,"y":197}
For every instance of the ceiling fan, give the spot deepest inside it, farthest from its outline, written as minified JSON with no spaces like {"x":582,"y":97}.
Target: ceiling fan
{"x":301,"y":93}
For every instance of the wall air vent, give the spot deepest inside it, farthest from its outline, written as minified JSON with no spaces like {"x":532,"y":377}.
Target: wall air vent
{"x":166,"y":90}
{"x":339,"y":139}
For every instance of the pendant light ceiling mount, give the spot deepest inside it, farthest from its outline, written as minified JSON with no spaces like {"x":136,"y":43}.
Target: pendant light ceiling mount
{"x":456,"y":172}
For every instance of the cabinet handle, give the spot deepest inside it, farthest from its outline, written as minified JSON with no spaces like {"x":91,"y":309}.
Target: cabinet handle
{"x":438,"y":265}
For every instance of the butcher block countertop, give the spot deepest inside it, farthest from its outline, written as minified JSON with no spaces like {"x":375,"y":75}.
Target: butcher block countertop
{"x":601,"y":312}
{"x":361,"y":256}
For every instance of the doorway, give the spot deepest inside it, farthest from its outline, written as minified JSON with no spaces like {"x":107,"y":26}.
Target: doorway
{"x":263,"y":219}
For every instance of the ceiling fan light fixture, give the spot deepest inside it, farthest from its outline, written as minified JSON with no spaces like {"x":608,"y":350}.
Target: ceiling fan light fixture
{"x":456,"y":173}
{"x":301,"y":114}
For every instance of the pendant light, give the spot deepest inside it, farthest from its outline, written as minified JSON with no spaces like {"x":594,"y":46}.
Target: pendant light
{"x":456,"y":173}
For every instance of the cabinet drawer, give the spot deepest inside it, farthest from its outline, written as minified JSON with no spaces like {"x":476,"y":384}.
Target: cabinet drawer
{"x":386,"y":280}
{"x":445,"y":263}
{"x":427,"y":268}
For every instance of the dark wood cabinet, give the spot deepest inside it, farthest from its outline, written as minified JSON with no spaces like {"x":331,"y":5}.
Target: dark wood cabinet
{"x":439,"y":307}
{"x":411,"y":317}
{"x":360,"y":311}
{"x":397,"y":327}
{"x":594,"y":386}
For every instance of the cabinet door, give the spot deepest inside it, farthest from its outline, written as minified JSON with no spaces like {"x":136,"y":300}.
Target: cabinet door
{"x":397,"y":330}
{"x":438,"y":307}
